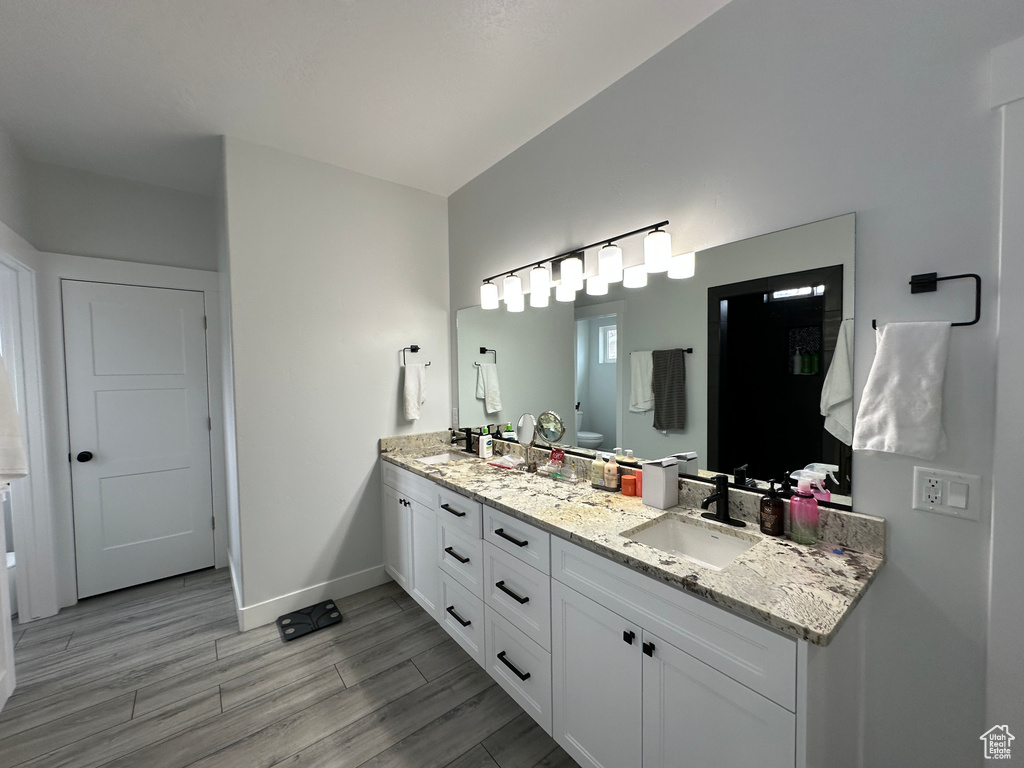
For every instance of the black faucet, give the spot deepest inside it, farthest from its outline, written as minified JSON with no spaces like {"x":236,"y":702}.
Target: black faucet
{"x":721,"y":499}
{"x":467,"y":437}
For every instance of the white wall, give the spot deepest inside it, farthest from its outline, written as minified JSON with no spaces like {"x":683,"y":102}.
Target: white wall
{"x":13,"y":170}
{"x":771,"y":115}
{"x":1005,"y":703}
{"x":332,"y":273}
{"x":86,"y":214}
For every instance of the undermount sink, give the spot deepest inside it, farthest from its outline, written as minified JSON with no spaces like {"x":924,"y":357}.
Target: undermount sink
{"x":705,"y":546}
{"x":443,"y":458}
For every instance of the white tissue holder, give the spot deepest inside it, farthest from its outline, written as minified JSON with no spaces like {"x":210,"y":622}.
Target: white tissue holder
{"x":661,"y":483}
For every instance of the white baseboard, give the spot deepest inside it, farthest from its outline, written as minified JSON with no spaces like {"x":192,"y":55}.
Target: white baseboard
{"x":252,"y":616}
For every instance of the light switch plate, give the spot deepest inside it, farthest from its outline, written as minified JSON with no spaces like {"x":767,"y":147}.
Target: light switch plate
{"x":948,"y":493}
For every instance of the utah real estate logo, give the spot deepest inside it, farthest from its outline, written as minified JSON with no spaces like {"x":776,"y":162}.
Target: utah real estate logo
{"x":997,"y":742}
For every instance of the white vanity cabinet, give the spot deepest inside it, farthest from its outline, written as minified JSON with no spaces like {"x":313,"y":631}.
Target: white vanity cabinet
{"x":624,"y":694}
{"x":410,"y":535}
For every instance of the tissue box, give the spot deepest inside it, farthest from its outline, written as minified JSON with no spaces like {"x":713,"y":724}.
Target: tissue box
{"x":687,"y":462}
{"x":661,"y":483}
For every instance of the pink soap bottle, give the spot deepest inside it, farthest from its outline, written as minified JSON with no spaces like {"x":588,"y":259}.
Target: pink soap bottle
{"x":803,"y":514}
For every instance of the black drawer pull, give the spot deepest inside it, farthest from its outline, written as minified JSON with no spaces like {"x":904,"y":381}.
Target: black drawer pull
{"x":510,"y":665}
{"x":462,"y":621}
{"x":517,"y":542}
{"x":456,"y":555}
{"x":455,"y":512}
{"x":629,"y":636}
{"x":521,"y":600}
{"x":649,"y":649}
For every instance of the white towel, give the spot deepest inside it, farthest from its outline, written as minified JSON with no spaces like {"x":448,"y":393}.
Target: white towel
{"x":641,"y":371}
{"x":487,"y":388}
{"x":901,"y":409}
{"x":415,"y":389}
{"x":13,"y":459}
{"x":837,"y":392}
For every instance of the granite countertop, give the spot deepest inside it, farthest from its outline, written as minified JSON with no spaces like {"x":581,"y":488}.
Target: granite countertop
{"x":802,"y":591}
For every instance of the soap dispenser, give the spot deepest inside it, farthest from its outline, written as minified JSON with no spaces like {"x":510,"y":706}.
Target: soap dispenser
{"x":611,"y":474}
{"x":803,"y":512}
{"x":771,"y":512}
{"x":597,"y":472}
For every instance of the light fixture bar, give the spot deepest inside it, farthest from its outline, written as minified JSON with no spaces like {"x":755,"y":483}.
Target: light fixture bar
{"x":602,"y":241}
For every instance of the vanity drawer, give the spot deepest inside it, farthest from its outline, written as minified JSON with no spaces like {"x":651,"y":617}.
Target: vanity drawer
{"x":519,"y":539}
{"x":519,"y":592}
{"x":409,"y":484}
{"x":462,"y":513}
{"x":511,"y":657}
{"x":751,"y":654}
{"x":462,"y":616}
{"x":461,"y":557}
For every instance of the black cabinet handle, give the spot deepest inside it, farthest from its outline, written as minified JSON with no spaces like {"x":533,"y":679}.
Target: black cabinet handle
{"x":462,"y":621}
{"x":629,"y":636}
{"x":649,"y":649}
{"x":455,"y":512}
{"x":84,"y":456}
{"x":456,"y":555}
{"x":517,"y":542}
{"x":521,"y":600}
{"x":510,"y":665}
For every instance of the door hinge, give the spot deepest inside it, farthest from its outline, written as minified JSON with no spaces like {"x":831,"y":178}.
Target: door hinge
{"x":209,"y":423}
{"x":213,"y":523}
{"x":206,"y":323}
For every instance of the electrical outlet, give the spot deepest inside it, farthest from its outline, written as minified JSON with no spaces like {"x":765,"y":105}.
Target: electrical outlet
{"x":948,"y":493}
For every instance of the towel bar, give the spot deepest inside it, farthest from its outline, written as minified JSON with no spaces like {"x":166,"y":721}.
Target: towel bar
{"x":927,"y":282}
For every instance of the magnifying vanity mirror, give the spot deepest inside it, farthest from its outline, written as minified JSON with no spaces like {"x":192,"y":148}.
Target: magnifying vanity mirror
{"x":762,"y":317}
{"x":526,"y":429}
{"x":550,"y":427}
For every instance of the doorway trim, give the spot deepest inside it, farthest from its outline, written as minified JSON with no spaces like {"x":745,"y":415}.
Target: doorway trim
{"x":617,"y":308}
{"x":30,"y":497}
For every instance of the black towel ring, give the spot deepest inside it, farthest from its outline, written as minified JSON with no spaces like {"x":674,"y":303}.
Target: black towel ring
{"x":484,"y":351}
{"x":412,"y":348}
{"x":927,"y":282}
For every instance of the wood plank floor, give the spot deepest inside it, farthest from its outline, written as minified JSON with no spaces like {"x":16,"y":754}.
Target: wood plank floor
{"x":159,"y":676}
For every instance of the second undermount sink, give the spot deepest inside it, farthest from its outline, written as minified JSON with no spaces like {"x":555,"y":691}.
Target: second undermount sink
{"x":444,"y":458}
{"x":705,"y":546}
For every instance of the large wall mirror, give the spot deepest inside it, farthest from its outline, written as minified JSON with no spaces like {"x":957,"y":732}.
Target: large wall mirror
{"x":761,"y":316}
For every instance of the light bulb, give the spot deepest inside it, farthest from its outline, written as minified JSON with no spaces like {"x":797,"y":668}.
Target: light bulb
{"x":565,"y":292}
{"x":513,"y":288}
{"x":682,"y":266}
{"x":634,"y":277}
{"x":488,"y":296}
{"x":657,"y":251}
{"x":572,"y":272}
{"x":609,"y":260}
{"x":597,"y":286}
{"x":540,"y":287}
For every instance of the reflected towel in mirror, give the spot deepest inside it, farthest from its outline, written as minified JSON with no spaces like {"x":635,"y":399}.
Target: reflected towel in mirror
{"x":837,"y":391}
{"x":641,"y":367}
{"x":668,"y":380}
{"x":487,"y":388}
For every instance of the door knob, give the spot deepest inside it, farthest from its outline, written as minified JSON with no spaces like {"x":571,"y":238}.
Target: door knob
{"x":84,"y":456}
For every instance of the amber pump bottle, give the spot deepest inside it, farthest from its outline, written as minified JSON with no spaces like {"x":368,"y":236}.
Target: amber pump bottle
{"x":771,"y":512}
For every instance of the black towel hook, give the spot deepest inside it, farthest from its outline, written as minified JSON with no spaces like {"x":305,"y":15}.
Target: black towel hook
{"x":412,"y":348}
{"x":927,"y":282}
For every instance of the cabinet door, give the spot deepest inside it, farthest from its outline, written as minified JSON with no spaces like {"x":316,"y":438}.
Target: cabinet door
{"x":596,"y":681}
{"x":425,"y":585}
{"x":696,"y":717}
{"x":397,"y":538}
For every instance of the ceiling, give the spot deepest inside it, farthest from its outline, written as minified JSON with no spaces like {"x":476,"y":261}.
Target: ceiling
{"x":427,"y":93}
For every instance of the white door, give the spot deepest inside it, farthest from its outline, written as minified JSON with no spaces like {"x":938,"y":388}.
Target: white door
{"x":397,"y":537}
{"x":696,"y":717}
{"x":138,"y":416}
{"x":595,"y":681}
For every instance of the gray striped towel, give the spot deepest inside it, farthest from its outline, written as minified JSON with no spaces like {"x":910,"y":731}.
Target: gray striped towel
{"x":668,"y":381}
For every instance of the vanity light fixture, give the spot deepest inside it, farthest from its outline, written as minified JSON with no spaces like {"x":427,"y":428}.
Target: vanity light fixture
{"x":567,"y":270}
{"x":634,"y":277}
{"x":597,"y":286}
{"x":609,"y":263}
{"x":682,"y":266}
{"x":540,"y":286}
{"x":657,"y":250}
{"x":488,"y":295}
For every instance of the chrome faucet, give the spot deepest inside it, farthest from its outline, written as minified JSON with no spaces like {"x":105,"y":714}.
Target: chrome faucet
{"x":721,"y":499}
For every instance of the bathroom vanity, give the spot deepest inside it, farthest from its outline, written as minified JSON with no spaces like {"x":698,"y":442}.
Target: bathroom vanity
{"x":627,"y":654}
